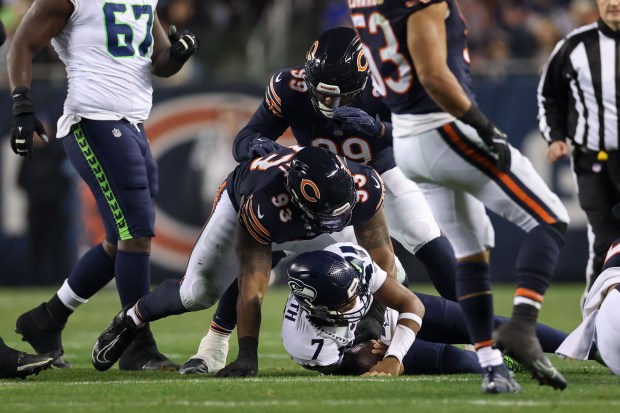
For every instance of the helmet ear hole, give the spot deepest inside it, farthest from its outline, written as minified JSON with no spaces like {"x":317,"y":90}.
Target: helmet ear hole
{"x":336,"y":66}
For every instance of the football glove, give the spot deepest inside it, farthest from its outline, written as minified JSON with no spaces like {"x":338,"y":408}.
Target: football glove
{"x":261,"y":146}
{"x":25,"y":123}
{"x":497,"y":141}
{"x":246,"y":364}
{"x":370,"y":327}
{"x":359,"y":120}
{"x":183,"y":44}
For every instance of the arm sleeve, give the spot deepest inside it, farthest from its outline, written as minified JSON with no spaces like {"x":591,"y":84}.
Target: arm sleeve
{"x":553,"y":95}
{"x":268,"y":121}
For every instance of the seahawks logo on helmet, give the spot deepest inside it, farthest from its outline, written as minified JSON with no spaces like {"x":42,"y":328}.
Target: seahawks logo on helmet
{"x":302,"y":290}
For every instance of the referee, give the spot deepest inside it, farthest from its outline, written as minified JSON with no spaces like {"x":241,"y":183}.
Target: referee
{"x":578,"y":101}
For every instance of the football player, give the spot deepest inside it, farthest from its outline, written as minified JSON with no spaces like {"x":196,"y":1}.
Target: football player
{"x":464,"y":164}
{"x":600,"y":327}
{"x":17,"y":364}
{"x":329,"y":102}
{"x":331,"y":290}
{"x":294,"y":199}
{"x":110,"y":49}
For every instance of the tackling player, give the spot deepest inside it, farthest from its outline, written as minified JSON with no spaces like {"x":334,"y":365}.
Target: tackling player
{"x":463,"y":163}
{"x":294,"y":199}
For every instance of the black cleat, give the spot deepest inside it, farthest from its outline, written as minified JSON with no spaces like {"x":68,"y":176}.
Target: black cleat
{"x":143,"y":354}
{"x":519,"y":341}
{"x":194,"y":366}
{"x":111,"y":344}
{"x":498,"y":379}
{"x":43,"y":333}
{"x":28,"y":364}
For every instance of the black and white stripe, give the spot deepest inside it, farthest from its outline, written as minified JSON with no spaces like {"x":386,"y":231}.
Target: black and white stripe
{"x":579,"y":92}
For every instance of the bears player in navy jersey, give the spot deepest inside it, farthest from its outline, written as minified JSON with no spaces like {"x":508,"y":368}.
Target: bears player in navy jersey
{"x":294,"y":199}
{"x":328,"y":102}
{"x":463,"y":163}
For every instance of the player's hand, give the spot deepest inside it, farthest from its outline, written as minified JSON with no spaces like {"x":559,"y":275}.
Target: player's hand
{"x":370,"y":327}
{"x":244,"y":366}
{"x":261,"y":146}
{"x":183,"y":44}
{"x":556,"y":151}
{"x":379,"y":347}
{"x":25,"y":123}
{"x":497,"y":141}
{"x":359,"y":120}
{"x":389,"y":366}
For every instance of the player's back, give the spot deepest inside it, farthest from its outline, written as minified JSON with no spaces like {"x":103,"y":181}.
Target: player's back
{"x":382,"y":26}
{"x":106,"y":48}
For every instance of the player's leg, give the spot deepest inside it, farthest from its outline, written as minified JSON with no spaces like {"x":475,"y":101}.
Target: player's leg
{"x":522,"y":197}
{"x":608,"y":330}
{"x":17,"y":364}
{"x":411,"y":222}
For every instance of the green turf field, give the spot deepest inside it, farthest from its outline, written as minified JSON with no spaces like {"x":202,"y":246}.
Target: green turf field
{"x":282,"y":386}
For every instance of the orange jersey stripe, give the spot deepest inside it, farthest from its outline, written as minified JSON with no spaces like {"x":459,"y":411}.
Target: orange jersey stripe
{"x":504,"y":177}
{"x":252,"y":232}
{"x":531,"y":294}
{"x":481,"y":344}
{"x":255,"y":220}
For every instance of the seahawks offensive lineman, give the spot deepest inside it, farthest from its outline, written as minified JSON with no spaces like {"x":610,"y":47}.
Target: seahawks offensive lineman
{"x":463,"y":163}
{"x":294,"y":199}
{"x":329,"y":103}
{"x":110,"y":49}
{"x":332,"y":288}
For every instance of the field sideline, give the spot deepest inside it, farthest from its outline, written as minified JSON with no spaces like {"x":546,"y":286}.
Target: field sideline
{"x":282,"y":386}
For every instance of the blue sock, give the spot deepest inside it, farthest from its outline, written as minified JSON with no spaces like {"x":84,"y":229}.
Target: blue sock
{"x":538,"y":257}
{"x":473,"y":288}
{"x":550,"y":338}
{"x":163,"y":301}
{"x":437,"y":358}
{"x":226,"y":313}
{"x":440,"y":263}
{"x":92,"y":272}
{"x":133,"y":275}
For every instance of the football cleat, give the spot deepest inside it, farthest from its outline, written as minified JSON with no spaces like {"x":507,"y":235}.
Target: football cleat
{"x":519,"y":341}
{"x":143,"y":354}
{"x":194,"y":366}
{"x":513,"y":365}
{"x":498,"y":379}
{"x":28,"y":364}
{"x":111,"y":344}
{"x":43,"y":333}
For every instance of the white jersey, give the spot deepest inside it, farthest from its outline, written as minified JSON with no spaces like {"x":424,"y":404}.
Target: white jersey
{"x":310,"y":345}
{"x":106,"y":48}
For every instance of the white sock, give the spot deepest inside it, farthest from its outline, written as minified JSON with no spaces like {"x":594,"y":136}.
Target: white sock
{"x":68,"y":297}
{"x":137,"y":320}
{"x":489,"y":356}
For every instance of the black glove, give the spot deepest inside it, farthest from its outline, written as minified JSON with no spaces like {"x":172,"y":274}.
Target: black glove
{"x":246,"y":364}
{"x":24,"y":123}
{"x":183,"y":44}
{"x":492,"y":137}
{"x":359,"y":120}
{"x":370,"y":327}
{"x":261,"y":146}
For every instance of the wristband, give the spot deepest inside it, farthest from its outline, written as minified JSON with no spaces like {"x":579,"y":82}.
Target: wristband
{"x":411,"y":316}
{"x":402,"y":340}
{"x":22,"y":101}
{"x":248,"y":345}
{"x":476,"y":119}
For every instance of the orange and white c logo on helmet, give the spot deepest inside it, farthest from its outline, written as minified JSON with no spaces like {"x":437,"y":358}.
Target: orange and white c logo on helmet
{"x":308,"y":183}
{"x":312,"y":50}
{"x":362,"y":62}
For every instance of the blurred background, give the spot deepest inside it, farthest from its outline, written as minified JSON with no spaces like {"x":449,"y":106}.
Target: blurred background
{"x":47,"y":218}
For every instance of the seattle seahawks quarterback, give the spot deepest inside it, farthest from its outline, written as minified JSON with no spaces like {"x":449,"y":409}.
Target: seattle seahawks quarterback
{"x":110,"y":49}
{"x":295,"y":199}
{"x":331,"y":290}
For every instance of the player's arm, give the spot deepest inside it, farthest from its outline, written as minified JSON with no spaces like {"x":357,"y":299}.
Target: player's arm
{"x":263,"y":125}
{"x":171,"y":50}
{"x":374,"y":237}
{"x":43,"y":20}
{"x":254,"y":268}
{"x":411,"y":312}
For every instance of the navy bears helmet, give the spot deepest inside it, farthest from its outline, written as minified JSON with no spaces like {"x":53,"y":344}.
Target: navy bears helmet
{"x":321,"y":186}
{"x":336,"y":67}
{"x":329,"y":287}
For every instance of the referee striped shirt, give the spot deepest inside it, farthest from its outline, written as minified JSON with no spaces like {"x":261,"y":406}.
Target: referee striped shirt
{"x":579,"y":92}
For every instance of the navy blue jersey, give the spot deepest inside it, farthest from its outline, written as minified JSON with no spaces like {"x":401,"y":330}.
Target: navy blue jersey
{"x":382,"y":26}
{"x":257,"y":190}
{"x":287,"y":104}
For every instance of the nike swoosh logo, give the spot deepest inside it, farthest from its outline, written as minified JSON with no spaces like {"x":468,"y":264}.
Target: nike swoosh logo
{"x":376,"y":182}
{"x":260,"y":216}
{"x":101,"y":355}
{"x":279,"y":77}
